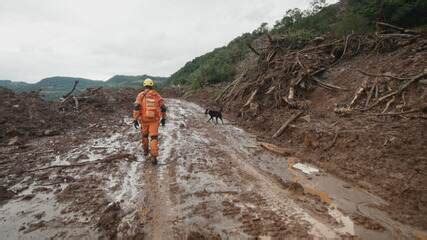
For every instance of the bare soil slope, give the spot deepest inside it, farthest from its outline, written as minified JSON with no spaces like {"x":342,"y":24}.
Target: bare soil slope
{"x":379,"y":143}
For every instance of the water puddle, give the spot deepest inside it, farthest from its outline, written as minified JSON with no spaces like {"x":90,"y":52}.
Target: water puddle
{"x":40,"y":217}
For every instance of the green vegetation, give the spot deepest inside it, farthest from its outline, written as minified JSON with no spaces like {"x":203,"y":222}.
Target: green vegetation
{"x":218,"y":65}
{"x":301,"y":26}
{"x":56,"y":87}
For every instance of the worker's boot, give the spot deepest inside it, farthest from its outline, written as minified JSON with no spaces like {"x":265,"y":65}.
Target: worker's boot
{"x":154,"y":160}
{"x":146,"y":152}
{"x":145,"y":144}
{"x":154,"y":148}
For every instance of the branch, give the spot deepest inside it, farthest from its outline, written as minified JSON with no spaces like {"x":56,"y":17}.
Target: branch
{"x":327,"y":85}
{"x":382,"y":75}
{"x":72,"y":90}
{"x":251,"y":98}
{"x":403,"y":87}
{"x":276,"y":149}
{"x":252,"y":49}
{"x":285,"y":125}
{"x":394,"y":113}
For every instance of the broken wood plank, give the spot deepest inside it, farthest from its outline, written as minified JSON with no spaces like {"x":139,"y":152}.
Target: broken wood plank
{"x":285,"y":125}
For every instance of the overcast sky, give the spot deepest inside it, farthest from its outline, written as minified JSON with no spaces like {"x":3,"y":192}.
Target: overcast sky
{"x":100,"y":38}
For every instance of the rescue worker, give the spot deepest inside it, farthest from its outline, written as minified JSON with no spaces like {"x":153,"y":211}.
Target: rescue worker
{"x":149,"y":111}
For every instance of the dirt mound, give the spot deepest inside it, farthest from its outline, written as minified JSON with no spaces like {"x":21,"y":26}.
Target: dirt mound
{"x":360,"y":107}
{"x":27,"y":115}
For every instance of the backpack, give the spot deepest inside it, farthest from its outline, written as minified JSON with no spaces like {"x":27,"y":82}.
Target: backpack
{"x":150,"y":108}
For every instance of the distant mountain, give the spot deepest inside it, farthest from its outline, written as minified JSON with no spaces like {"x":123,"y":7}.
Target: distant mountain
{"x":55,"y":87}
{"x":16,"y":86}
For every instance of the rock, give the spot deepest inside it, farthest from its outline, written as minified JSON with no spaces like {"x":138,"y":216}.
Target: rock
{"x":13,"y":141}
{"x":5,"y":194}
{"x":28,"y":197}
{"x":39,"y":215}
{"x":296,"y":188}
{"x":50,"y":132}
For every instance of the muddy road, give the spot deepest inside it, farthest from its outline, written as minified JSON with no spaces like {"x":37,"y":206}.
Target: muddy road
{"x":212,"y":182}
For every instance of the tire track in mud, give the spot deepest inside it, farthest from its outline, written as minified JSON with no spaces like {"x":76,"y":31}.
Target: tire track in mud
{"x":207,"y":189}
{"x":215,"y":182}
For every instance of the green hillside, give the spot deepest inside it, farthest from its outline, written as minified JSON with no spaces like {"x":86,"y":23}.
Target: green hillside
{"x":133,"y":81}
{"x":55,"y":87}
{"x":299,"y":27}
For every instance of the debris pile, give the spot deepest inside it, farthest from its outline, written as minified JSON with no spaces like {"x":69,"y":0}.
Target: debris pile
{"x":354,"y":106}
{"x":27,"y":115}
{"x":284,"y":75}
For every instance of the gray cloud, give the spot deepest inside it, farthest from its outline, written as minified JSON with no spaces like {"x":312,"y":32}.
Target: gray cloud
{"x":100,"y":38}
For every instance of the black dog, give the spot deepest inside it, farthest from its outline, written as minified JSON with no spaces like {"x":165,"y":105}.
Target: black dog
{"x":214,"y":114}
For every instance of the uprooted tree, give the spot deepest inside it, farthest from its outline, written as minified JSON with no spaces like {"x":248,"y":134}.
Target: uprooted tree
{"x":286,"y":74}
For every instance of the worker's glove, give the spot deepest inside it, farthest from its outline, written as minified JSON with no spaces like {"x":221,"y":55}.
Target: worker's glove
{"x":163,"y":121}
{"x":136,"y":124}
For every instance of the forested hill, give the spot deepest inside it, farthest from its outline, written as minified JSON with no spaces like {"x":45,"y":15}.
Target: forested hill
{"x":55,"y":87}
{"x":300,"y":27}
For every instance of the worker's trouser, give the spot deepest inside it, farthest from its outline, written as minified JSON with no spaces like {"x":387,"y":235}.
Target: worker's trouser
{"x":150,"y":129}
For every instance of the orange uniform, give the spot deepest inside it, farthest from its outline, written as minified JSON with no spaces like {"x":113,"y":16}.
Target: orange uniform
{"x":149,"y":110}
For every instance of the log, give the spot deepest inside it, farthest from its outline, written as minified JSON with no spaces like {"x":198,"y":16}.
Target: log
{"x":285,"y":125}
{"x":396,"y":35}
{"x":276,"y":149}
{"x":402,"y":30}
{"x":251,"y":98}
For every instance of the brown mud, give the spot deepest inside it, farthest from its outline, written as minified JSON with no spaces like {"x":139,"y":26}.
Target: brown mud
{"x":380,"y":149}
{"x":212,"y":182}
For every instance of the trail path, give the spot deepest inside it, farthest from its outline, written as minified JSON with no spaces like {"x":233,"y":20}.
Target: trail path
{"x":212,"y":182}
